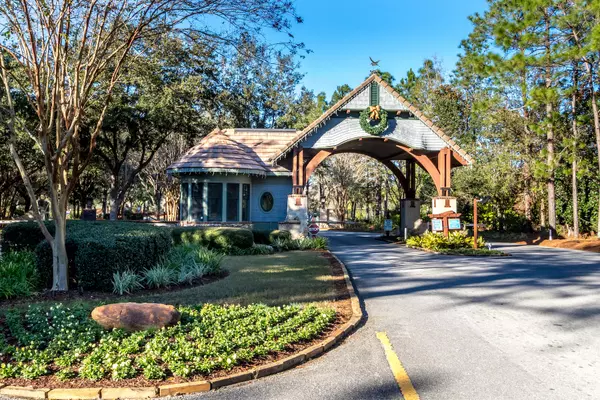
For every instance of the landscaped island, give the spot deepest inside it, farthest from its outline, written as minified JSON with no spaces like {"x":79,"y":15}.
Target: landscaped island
{"x":234,"y":312}
{"x":457,"y":243}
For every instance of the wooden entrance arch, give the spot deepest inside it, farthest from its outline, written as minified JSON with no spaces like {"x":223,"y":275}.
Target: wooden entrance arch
{"x":438,"y":165}
{"x":407,"y":182}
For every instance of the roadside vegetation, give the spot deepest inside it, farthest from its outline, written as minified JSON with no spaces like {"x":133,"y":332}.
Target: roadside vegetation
{"x":265,"y":306}
{"x":457,"y":243}
{"x":126,"y":257}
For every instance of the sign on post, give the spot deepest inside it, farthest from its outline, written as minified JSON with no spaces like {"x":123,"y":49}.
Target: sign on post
{"x":454,"y":224}
{"x":445,"y":222}
{"x":387,"y":225}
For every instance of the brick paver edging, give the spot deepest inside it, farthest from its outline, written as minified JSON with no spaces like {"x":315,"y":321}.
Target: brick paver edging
{"x":200,"y":386}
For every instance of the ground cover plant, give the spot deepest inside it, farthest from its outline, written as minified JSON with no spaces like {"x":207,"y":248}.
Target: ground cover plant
{"x":66,"y":343}
{"x":472,"y":252}
{"x":457,"y":243}
{"x":307,"y":243}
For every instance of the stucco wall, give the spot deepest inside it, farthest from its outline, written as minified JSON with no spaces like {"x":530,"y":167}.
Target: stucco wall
{"x":280,"y":188}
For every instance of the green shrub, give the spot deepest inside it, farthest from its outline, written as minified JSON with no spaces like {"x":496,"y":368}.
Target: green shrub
{"x":438,"y":242}
{"x":18,"y":274}
{"x":97,"y":250}
{"x":415,"y":241}
{"x":283,"y":235}
{"x":126,"y":282}
{"x":261,"y":236}
{"x":214,"y":238}
{"x":256,"y":250}
{"x":23,"y":236}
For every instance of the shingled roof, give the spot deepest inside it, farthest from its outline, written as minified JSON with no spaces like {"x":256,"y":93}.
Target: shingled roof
{"x":237,"y":151}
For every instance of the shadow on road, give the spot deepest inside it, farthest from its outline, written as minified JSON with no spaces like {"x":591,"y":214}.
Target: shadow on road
{"x":534,"y":279}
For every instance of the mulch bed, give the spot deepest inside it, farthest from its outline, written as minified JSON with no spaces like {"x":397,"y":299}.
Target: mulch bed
{"x":342,"y":306}
{"x":592,"y":245}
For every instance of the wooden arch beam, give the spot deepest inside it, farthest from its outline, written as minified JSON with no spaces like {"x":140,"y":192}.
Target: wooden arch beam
{"x":315,"y":161}
{"x":323,"y":154}
{"x":425,"y":163}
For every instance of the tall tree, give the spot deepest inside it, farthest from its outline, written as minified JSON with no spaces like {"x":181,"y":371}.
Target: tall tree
{"x":339,"y":93}
{"x":170,"y":90}
{"x":69,"y":54}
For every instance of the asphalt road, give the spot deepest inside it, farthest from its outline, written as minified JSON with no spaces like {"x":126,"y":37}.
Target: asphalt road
{"x":520,"y":327}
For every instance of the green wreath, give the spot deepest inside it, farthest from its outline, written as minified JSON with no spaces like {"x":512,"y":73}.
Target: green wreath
{"x":365,"y":121}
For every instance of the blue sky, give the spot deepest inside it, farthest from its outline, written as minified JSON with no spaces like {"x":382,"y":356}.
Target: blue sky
{"x":344,"y":33}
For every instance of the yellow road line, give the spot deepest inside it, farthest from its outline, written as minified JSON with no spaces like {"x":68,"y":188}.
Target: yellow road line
{"x":404,"y":383}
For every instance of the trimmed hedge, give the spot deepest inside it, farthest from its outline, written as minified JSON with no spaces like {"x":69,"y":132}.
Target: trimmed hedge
{"x":95,"y":250}
{"x":280,"y":235}
{"x":261,"y":236}
{"x":23,"y":236}
{"x":214,"y":238}
{"x":270,"y":236}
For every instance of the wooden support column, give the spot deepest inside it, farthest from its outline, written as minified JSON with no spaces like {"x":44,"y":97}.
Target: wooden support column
{"x":189,"y":201}
{"x":448,"y":155}
{"x":301,"y":167}
{"x":298,"y":175}
{"x":411,"y":177}
{"x":444,"y":164}
{"x":295,"y":168}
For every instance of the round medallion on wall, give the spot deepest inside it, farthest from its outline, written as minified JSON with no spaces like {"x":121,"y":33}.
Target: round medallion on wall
{"x":267,"y":201}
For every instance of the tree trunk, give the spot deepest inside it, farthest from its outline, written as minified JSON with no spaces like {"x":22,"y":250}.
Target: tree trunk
{"x":574,"y":162}
{"x":60,"y":260}
{"x":115,"y":205}
{"x":597,"y":131}
{"x":550,"y":135}
{"x":542,"y":214}
{"x":575,"y":202}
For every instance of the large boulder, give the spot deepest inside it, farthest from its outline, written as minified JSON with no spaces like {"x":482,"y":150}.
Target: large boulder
{"x":135,"y":316}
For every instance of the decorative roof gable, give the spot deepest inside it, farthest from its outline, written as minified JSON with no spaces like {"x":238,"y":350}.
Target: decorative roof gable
{"x":359,"y":99}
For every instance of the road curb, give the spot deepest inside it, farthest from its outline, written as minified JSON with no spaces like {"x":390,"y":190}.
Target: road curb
{"x":337,"y":336}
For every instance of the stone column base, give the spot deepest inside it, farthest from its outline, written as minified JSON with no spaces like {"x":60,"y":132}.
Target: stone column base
{"x":297,"y":230}
{"x":296,"y":220}
{"x":410,"y":216}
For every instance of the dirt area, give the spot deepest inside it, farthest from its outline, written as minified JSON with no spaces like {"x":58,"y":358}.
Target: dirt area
{"x":574,"y":244}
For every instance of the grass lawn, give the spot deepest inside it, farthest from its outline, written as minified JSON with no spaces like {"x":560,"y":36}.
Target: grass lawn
{"x":274,"y":280}
{"x":278,"y":279}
